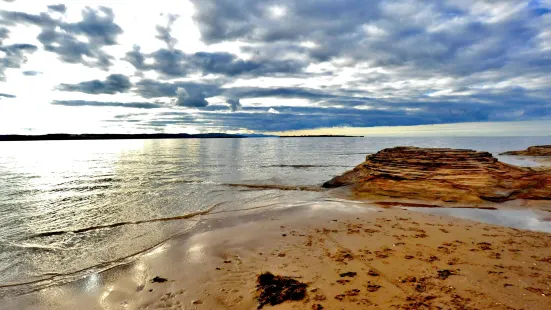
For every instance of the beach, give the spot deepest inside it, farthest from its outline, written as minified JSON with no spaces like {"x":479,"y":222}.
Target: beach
{"x":223,"y":154}
{"x":351,"y":256}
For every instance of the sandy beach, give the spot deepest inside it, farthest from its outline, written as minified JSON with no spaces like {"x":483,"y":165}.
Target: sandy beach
{"x":350,"y":256}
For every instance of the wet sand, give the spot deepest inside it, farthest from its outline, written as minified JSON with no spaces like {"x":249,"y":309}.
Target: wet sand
{"x":351,"y":256}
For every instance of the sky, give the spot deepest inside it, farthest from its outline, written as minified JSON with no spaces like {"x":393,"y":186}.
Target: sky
{"x":250,"y":66}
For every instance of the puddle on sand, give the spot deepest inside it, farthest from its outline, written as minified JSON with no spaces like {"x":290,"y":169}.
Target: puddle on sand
{"x":524,"y":219}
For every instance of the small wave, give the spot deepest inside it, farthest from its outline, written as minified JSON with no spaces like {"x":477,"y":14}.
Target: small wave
{"x":53,"y":278}
{"x":306,"y":188}
{"x":113,"y":225}
{"x":191,"y":181}
{"x":36,"y":246}
{"x":83,"y":188}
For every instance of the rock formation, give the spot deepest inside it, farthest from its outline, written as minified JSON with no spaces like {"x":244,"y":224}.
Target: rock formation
{"x":538,"y":150}
{"x":449,"y":175}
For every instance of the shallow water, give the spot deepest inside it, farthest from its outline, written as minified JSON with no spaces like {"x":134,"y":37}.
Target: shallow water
{"x":69,"y":208}
{"x":523,"y":219}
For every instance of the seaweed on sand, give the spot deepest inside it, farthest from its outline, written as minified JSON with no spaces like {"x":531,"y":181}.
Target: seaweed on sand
{"x":274,"y":290}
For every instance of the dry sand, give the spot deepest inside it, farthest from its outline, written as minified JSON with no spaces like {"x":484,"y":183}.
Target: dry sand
{"x":395,"y":259}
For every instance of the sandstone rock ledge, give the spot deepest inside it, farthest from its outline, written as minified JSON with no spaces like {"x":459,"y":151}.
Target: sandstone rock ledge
{"x":449,"y":175}
{"x":538,"y":150}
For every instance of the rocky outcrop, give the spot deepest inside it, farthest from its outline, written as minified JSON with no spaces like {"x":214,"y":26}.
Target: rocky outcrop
{"x":538,"y":150}
{"x":450,"y":175}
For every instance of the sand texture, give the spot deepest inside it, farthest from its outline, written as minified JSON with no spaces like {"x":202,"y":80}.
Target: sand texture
{"x":349,"y":258}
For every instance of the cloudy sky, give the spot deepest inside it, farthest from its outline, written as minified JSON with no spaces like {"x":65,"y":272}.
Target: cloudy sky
{"x":271,"y":66}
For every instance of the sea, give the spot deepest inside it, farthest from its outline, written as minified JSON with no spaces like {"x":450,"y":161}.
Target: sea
{"x":69,"y":209}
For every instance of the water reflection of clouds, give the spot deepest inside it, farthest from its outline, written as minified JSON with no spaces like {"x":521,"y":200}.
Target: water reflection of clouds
{"x":523,"y":219}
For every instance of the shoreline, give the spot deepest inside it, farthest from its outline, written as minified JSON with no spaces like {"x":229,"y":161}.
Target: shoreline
{"x":151,"y":136}
{"x":215,"y":265}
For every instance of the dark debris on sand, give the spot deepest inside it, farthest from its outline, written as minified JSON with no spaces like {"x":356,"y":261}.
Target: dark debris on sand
{"x":350,"y":274}
{"x":274,"y":290}
{"x":443,"y":274}
{"x":158,"y":280}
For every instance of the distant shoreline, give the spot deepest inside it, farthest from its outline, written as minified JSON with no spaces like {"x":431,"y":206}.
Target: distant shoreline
{"x":63,"y":137}
{"x":322,"y":136}
{"x":57,"y":137}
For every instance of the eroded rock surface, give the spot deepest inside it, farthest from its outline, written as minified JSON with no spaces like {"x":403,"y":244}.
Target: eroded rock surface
{"x":451,"y":175}
{"x":538,"y":150}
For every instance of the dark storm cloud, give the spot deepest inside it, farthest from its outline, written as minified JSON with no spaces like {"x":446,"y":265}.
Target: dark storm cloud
{"x":59,"y":37}
{"x":172,"y":63}
{"x":115,"y":83}
{"x":80,"y":103}
{"x":60,"y":8}
{"x":14,"y":56}
{"x":6,"y":96}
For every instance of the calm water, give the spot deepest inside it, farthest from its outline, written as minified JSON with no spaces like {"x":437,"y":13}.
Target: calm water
{"x":69,"y":208}
{"x":525,"y":219}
